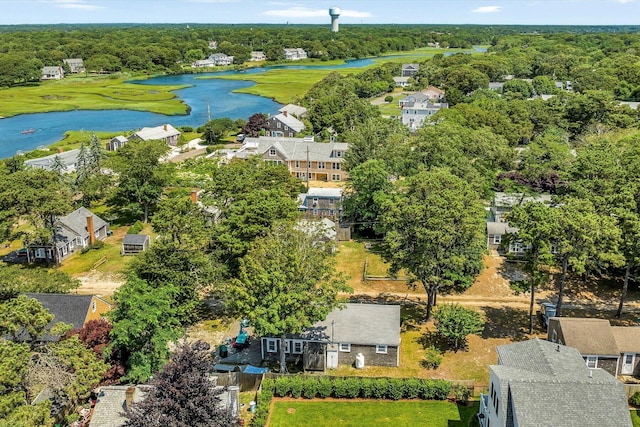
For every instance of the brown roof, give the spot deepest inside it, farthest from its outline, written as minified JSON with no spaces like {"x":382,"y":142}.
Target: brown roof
{"x":627,"y":337}
{"x":589,"y":336}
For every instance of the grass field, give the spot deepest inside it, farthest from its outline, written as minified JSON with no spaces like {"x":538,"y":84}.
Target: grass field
{"x":635,"y":418}
{"x":91,"y":93}
{"x":371,"y":413}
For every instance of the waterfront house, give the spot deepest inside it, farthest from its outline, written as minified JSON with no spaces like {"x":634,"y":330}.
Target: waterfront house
{"x":52,"y":73}
{"x":294,"y":54}
{"x":76,"y":65}
{"x":166,"y":133}
{"x":283,"y":125}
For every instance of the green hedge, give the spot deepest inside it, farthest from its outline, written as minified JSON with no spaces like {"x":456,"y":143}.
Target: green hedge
{"x":136,"y":228}
{"x":352,"y":387}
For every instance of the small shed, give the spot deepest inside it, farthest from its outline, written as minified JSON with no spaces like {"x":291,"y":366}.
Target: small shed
{"x":135,"y":243}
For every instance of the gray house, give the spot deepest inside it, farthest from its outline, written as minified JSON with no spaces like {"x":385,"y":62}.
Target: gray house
{"x":52,"y":73}
{"x":73,"y":232}
{"x":76,"y":65}
{"x":615,"y":349}
{"x":539,"y":383}
{"x":135,"y":243}
{"x":372,"y":330}
{"x":321,"y":203}
{"x":410,"y":70}
{"x":166,"y":133}
{"x":116,"y":143}
{"x":64,"y":160}
{"x":283,"y":125}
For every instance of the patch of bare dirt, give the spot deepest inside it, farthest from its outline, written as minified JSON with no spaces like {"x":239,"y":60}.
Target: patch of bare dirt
{"x":492,"y":281}
{"x":102,"y":285}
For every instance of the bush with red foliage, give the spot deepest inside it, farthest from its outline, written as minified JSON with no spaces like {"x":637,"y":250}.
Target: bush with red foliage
{"x":95,"y":336}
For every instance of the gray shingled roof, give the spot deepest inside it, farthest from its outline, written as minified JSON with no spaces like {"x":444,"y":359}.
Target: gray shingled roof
{"x":290,"y":121}
{"x":135,"y":239}
{"x":76,"y":221}
{"x":296,"y":110}
{"x":367,"y":324}
{"x":158,"y":132}
{"x":510,"y":200}
{"x":67,"y":158}
{"x":111,"y":402}
{"x":293,"y":148}
{"x":550,"y":385}
{"x":67,"y":308}
{"x":500,"y":228}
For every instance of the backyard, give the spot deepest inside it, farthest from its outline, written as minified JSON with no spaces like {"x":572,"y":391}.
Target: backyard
{"x":371,"y":413}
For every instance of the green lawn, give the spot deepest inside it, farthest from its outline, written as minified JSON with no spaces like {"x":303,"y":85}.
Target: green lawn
{"x":371,"y":413}
{"x":635,"y":418}
{"x":91,"y":93}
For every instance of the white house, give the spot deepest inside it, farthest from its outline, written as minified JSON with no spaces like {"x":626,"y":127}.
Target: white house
{"x":294,"y":54}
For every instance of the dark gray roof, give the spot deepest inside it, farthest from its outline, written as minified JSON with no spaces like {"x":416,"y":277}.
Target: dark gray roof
{"x":500,"y":228}
{"x":135,"y":239}
{"x":293,"y":148}
{"x":76,"y":221}
{"x":550,"y":385}
{"x":368,"y":324}
{"x":290,"y":121}
{"x":67,"y":308}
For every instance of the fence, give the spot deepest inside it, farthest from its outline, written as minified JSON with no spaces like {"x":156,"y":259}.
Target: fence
{"x":246,"y":382}
{"x":631,"y":388}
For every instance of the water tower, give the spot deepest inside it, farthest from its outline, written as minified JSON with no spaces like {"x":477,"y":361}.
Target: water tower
{"x":335,"y":13}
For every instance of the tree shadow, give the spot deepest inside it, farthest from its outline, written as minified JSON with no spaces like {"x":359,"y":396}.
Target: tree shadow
{"x":411,"y":312}
{"x":507,"y":322}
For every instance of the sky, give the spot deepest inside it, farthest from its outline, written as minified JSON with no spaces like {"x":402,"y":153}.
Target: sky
{"x":524,"y":12}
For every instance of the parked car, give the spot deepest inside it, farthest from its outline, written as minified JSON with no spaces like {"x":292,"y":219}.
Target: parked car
{"x":547,"y":311}
{"x":240,"y":137}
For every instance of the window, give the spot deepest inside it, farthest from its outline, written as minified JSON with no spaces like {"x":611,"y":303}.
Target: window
{"x":345,"y":347}
{"x":272,"y":152}
{"x":93,"y":307}
{"x":335,"y":166}
{"x":297,"y":164}
{"x":554,"y":336}
{"x":287,"y":346}
{"x":381,"y":349}
{"x":272,"y":345}
{"x":297,"y":347}
{"x":290,"y":134}
{"x":592,"y":362}
{"x":330,"y":202}
{"x":335,"y":177}
{"x":278,"y":125}
{"x":40,"y":253}
{"x":321,"y":165}
{"x":338,"y":153}
{"x":497,"y":239}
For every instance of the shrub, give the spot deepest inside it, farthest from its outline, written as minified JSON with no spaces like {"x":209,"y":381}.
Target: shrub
{"x":432,"y":358}
{"x":340,"y":387}
{"x":441,"y":389}
{"x":380,"y":387}
{"x":353,"y":386}
{"x":461,"y":394}
{"x":455,"y":323}
{"x":264,"y":401}
{"x":366,"y":387}
{"x":395,"y":389}
{"x":411,"y":388}
{"x":310,"y":388}
{"x":325,"y":387}
{"x":427,"y":389}
{"x":135,"y":228}
{"x":295,"y":386}
{"x":268,"y":386}
{"x":388,"y":98}
{"x":635,"y":399}
{"x":282,"y":386}
{"x":187,"y":129}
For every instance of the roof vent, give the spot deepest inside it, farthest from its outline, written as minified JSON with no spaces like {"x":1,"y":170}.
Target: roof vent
{"x":590,"y":373}
{"x":558,"y":347}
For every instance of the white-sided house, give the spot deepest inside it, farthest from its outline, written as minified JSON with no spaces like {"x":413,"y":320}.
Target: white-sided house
{"x":203,"y":63}
{"x":65,"y":161}
{"x":294,"y":54}
{"x":402,"y":81}
{"x":305,"y":159}
{"x":221,"y":59}
{"x":414,"y":114}
{"x":257,"y":55}
{"x":540,"y":383}
{"x":369,"y":330}
{"x":52,"y":73}
{"x":77,"y":230}
{"x":283,"y":125}
{"x":166,"y":133}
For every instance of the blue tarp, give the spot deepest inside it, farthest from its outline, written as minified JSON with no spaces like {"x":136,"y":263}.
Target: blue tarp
{"x":250,"y":369}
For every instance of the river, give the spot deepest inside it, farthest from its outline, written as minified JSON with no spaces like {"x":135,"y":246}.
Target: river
{"x":205,"y":96}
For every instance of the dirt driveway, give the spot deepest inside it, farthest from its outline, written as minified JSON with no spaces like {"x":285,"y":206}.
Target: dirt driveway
{"x":102,"y":285}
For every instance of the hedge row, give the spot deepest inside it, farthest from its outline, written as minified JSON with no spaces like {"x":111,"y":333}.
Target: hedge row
{"x":264,"y":401}
{"x":352,"y":387}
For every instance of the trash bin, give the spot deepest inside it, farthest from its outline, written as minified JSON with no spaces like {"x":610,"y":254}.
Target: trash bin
{"x":252,"y":406}
{"x":223,"y":351}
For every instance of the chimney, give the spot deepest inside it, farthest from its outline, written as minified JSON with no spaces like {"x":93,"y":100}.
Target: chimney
{"x":60,"y":150}
{"x":129,"y":395}
{"x":165,"y":128}
{"x":286,"y":113}
{"x":91,"y":230}
{"x":194,"y":196}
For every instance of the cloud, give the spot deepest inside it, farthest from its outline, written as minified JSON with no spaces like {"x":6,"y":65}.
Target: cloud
{"x":487,"y":9}
{"x":213,"y":1}
{"x":73,"y":4}
{"x":303,"y":12}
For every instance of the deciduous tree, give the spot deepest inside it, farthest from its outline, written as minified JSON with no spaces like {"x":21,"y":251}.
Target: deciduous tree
{"x":286,"y":283}
{"x":455,"y":323}
{"x":435,"y":232}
